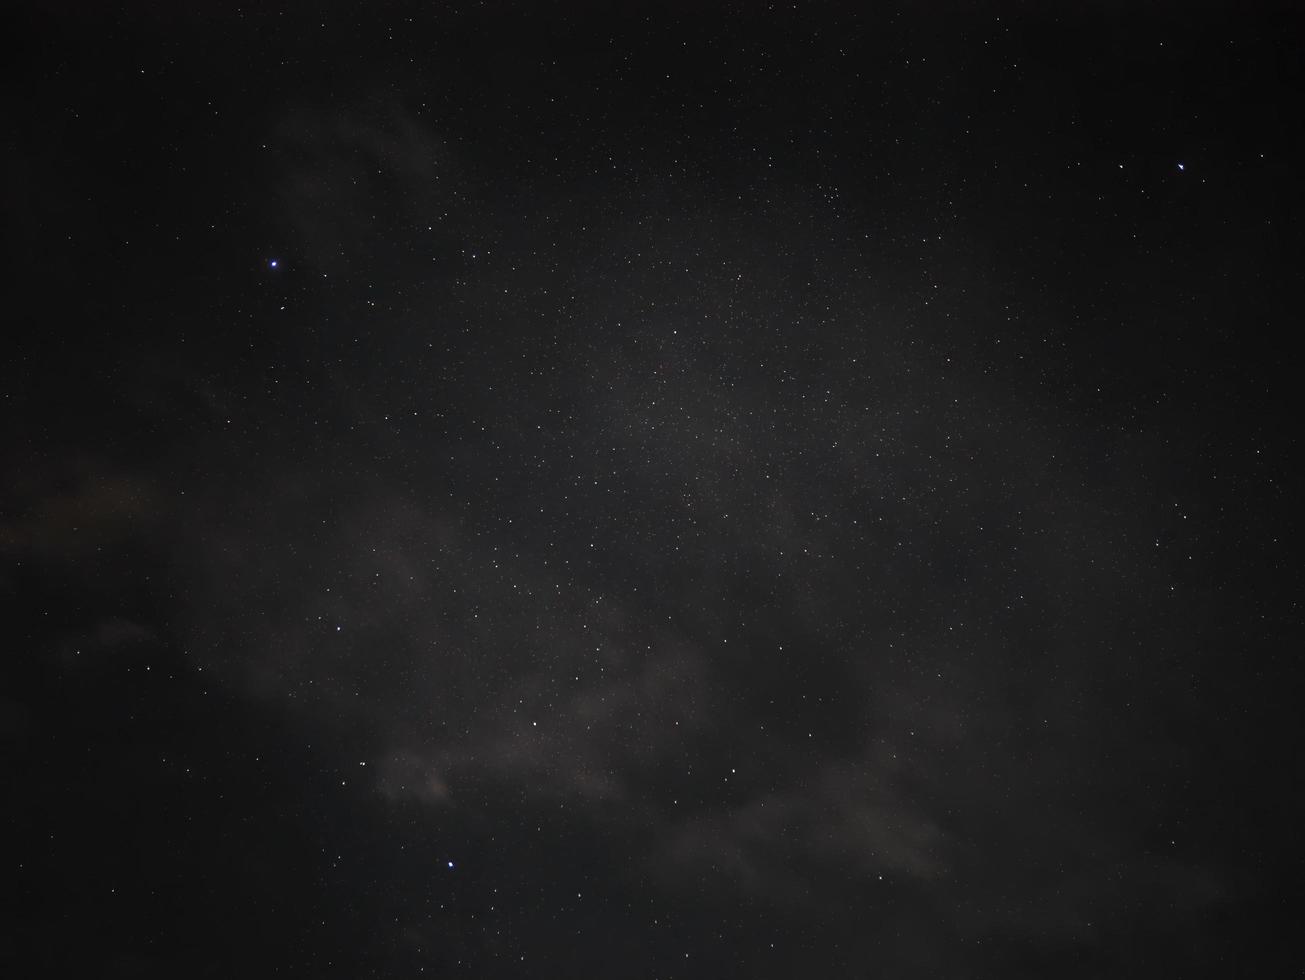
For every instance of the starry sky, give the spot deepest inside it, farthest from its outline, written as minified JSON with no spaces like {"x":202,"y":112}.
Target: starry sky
{"x":547,"y":490}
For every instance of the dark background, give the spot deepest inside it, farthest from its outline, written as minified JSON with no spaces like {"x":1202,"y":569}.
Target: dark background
{"x":753,"y":490}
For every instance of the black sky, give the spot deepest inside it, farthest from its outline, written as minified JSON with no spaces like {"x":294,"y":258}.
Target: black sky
{"x":650,"y":490}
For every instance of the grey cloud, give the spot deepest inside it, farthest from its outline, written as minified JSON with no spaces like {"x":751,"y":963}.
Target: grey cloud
{"x":348,"y":171}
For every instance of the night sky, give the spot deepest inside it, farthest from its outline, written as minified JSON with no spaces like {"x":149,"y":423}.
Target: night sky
{"x":631,"y":490}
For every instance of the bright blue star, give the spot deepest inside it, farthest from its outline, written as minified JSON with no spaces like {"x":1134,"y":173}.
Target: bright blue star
{"x":273,"y":263}
{"x":450,"y":865}
{"x":1181,"y":167}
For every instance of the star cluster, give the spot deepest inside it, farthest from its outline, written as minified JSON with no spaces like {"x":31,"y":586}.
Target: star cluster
{"x":534,"y":490}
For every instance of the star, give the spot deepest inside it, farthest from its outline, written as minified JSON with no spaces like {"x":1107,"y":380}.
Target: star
{"x":273,"y":264}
